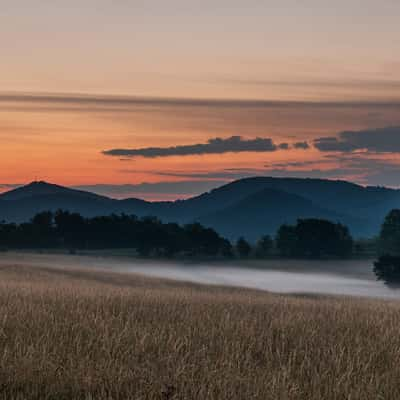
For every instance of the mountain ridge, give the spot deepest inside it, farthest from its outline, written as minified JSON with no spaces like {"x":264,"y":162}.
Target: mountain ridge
{"x":245,"y":207}
{"x":37,"y":188}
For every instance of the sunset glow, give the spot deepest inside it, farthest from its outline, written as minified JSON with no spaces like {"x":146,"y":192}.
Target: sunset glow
{"x":78,"y":80}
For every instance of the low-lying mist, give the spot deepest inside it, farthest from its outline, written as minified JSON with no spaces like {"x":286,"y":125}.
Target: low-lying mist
{"x":354,"y":277}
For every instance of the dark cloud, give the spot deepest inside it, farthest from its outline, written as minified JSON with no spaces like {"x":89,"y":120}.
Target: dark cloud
{"x":283,"y":146}
{"x":301,"y":145}
{"x":369,"y":170}
{"x":381,"y":140}
{"x":334,"y":144}
{"x":234,"y":144}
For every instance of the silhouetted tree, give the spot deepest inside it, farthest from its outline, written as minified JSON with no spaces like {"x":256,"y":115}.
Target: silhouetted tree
{"x":314,"y":238}
{"x":318,"y":238}
{"x":70,"y":228}
{"x":286,"y":241}
{"x":387,"y":269}
{"x":389,"y":238}
{"x":43,"y":221}
{"x":41,"y":230}
{"x":148,"y":235}
{"x":243,"y":248}
{"x":264,"y":246}
{"x":202,"y":240}
{"x":8,"y":235}
{"x":226,"y":250}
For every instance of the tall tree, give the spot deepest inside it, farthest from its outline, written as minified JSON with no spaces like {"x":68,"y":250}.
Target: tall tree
{"x":286,"y":241}
{"x":389,"y":238}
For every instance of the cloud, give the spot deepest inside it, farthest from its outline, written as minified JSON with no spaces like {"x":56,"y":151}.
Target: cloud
{"x":301,"y":145}
{"x":283,"y":146}
{"x":362,"y":168}
{"x":234,"y":144}
{"x":279,"y":170}
{"x":290,"y":169}
{"x":369,"y":170}
{"x":381,"y":140}
{"x":294,"y":164}
{"x":223,"y":175}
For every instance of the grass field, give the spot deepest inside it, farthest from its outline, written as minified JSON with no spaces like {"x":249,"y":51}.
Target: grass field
{"x":74,"y":334}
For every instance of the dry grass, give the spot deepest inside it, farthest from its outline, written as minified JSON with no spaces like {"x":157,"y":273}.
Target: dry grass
{"x":94,"y":335}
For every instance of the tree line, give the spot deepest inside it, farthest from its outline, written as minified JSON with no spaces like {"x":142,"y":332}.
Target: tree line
{"x":308,"y":238}
{"x":149,"y":236}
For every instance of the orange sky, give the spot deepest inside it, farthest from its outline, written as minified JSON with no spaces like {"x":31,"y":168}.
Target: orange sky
{"x":321,"y":68}
{"x":61,"y":139}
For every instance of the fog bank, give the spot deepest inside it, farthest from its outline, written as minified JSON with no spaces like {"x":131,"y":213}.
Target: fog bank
{"x":354,"y":277}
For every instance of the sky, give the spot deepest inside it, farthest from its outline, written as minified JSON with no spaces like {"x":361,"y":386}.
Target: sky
{"x":165,"y":100}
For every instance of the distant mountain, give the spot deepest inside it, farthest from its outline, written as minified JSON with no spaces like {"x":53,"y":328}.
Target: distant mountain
{"x":265,"y":211}
{"x":247,"y":207}
{"x":23,"y":203}
{"x":41,"y":188}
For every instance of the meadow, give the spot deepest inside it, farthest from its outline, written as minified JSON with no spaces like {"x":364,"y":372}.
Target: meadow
{"x":81,"y":334}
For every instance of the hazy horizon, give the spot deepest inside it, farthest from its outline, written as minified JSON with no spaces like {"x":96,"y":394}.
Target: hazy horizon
{"x":159,"y":191}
